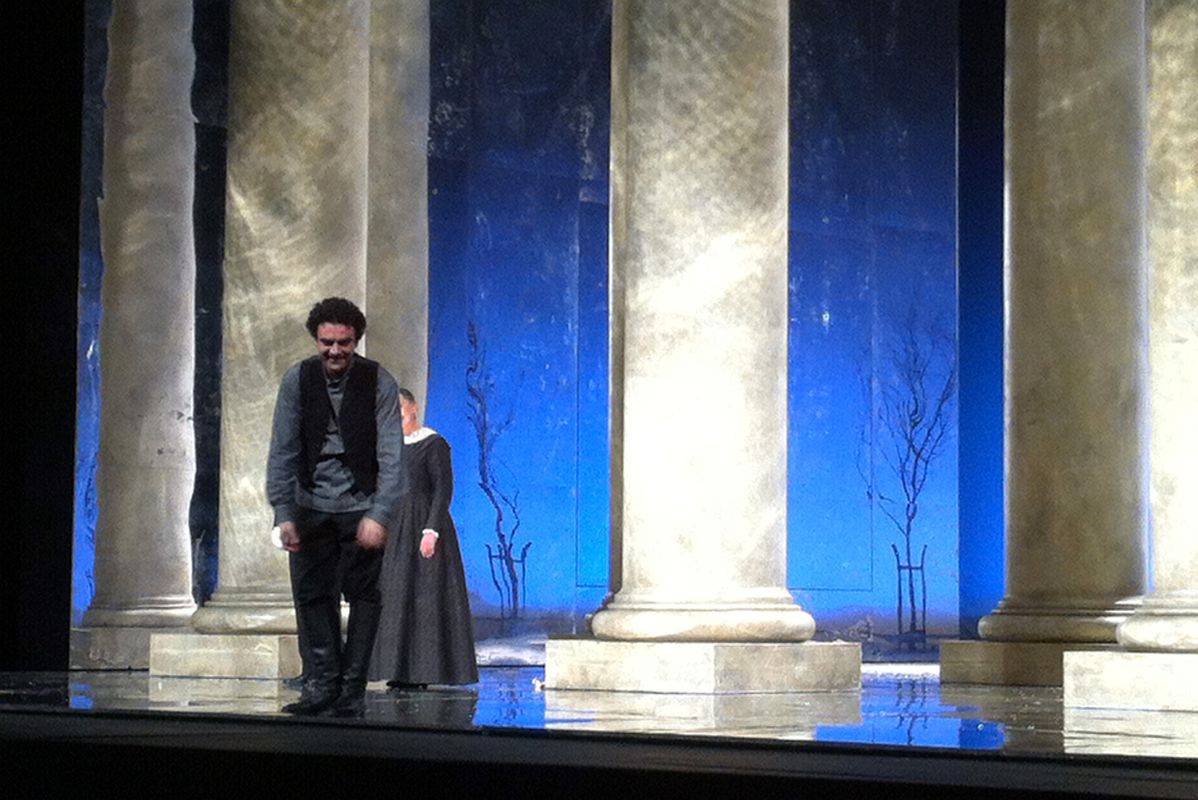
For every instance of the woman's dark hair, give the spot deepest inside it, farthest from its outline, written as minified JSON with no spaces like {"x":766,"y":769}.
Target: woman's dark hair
{"x":406,"y":395}
{"x":338,"y":311}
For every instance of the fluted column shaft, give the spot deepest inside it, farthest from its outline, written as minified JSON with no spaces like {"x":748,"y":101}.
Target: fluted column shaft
{"x":699,"y":322}
{"x":1076,"y":324}
{"x":146,"y":462}
{"x":1168,"y":619}
{"x":296,"y":222}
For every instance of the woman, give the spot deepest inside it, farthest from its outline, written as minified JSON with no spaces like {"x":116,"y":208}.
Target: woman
{"x":424,"y":633}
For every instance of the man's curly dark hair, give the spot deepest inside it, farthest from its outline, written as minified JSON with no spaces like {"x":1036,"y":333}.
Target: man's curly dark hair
{"x":338,"y":311}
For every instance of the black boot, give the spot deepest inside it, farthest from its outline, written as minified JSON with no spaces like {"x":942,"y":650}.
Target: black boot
{"x":296,"y":682}
{"x":301,"y":680}
{"x":359,"y":645}
{"x":320,"y":626}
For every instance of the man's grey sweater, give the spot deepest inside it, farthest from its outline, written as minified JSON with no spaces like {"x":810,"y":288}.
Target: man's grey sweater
{"x":333,"y":488}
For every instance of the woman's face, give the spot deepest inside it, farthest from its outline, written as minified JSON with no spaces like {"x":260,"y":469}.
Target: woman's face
{"x":409,"y":414}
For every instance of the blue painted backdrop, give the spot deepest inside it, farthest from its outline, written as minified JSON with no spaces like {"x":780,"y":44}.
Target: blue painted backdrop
{"x":518,"y":254}
{"x":518,"y":285}
{"x":872,"y":279}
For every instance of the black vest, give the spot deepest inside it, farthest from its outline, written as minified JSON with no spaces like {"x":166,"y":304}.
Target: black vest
{"x":359,"y":429}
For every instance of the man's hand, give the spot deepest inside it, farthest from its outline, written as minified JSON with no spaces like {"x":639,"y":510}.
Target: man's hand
{"x":428,"y":544}
{"x":371,"y":535}
{"x":289,"y":535}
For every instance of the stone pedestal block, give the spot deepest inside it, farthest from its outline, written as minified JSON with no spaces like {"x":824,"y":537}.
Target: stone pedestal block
{"x":1007,"y":663}
{"x":123,"y":647}
{"x":227,"y":656}
{"x":702,"y":667}
{"x":1154,"y":681}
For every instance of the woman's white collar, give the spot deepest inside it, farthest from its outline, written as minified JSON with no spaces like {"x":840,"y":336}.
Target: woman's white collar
{"x":418,"y":435}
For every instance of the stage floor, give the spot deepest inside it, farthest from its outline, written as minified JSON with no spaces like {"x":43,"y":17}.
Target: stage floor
{"x":899,"y":704}
{"x":901,"y":710}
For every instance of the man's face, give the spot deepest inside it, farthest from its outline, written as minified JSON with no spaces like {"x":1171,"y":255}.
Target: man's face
{"x":335,"y":343}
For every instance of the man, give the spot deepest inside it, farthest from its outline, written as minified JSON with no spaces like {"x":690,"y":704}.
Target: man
{"x":333,"y":477}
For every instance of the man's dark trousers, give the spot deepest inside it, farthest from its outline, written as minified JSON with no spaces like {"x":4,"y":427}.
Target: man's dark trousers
{"x":329,"y":564}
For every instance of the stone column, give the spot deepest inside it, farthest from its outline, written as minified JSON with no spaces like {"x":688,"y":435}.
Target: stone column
{"x":1167,"y":622}
{"x":699,"y":320}
{"x":397,"y":240}
{"x":1076,"y":339}
{"x":146,"y":463}
{"x":295,"y":232}
{"x":327,"y":188}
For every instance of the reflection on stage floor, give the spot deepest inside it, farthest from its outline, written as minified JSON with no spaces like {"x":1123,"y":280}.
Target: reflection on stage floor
{"x":899,"y":704}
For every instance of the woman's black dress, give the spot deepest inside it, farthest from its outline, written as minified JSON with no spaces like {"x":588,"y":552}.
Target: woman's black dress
{"x":424,"y":633}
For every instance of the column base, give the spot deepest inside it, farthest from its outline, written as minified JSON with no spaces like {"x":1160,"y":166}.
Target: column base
{"x":163,"y":615}
{"x":1007,"y":663}
{"x":113,"y":647}
{"x":200,"y":655}
{"x":246,"y":612}
{"x":784,"y":622}
{"x":701,"y":667}
{"x":1119,"y":679}
{"x":1163,"y":623}
{"x":1012,"y":623}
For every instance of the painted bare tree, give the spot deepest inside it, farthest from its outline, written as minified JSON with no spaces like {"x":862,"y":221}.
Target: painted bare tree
{"x":488,"y":427}
{"x":914,"y":385}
